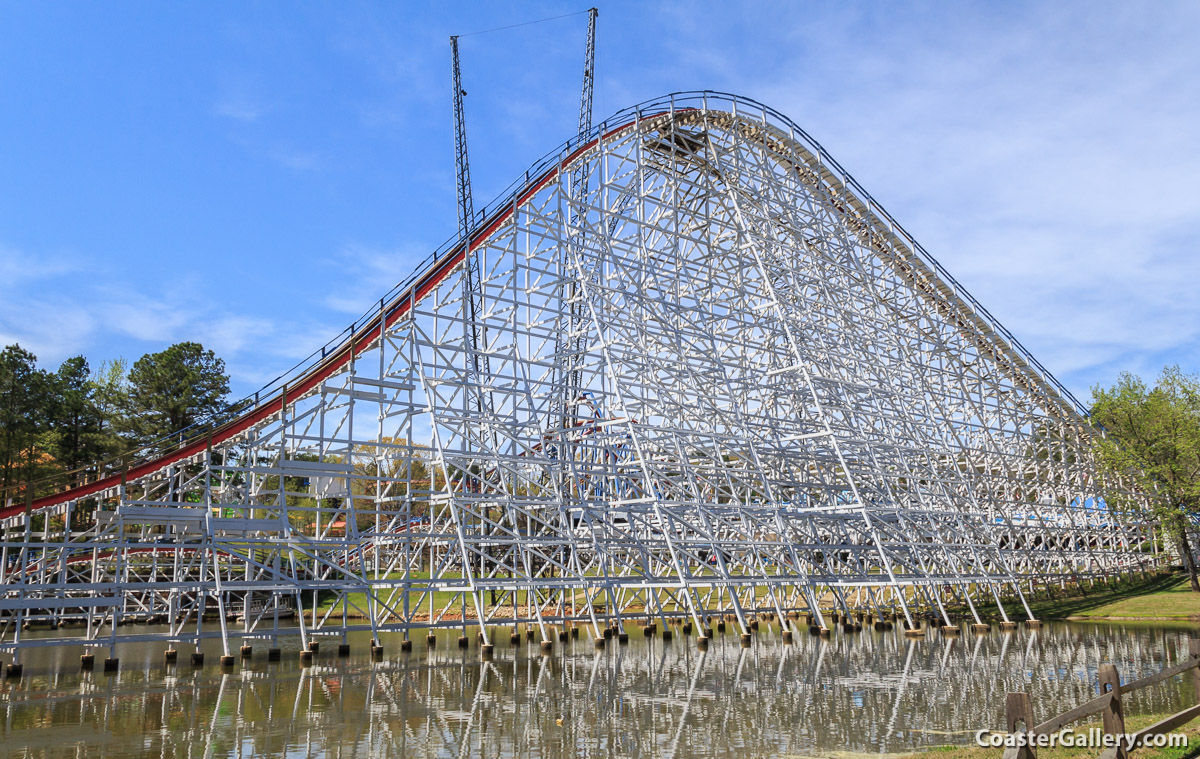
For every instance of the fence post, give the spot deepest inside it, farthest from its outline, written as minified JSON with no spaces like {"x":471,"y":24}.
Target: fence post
{"x":1114,"y":715}
{"x":1018,"y":708}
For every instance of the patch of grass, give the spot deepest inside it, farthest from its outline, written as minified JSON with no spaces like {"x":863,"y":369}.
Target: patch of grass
{"x":1162,"y":597}
{"x":1172,"y":598}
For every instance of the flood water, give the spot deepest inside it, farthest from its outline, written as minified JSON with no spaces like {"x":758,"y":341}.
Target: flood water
{"x":866,"y":693}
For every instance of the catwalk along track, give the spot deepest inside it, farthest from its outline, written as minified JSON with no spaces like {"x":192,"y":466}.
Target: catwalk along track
{"x":702,"y":375}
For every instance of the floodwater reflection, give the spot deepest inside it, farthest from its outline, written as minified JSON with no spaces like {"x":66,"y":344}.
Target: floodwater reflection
{"x":868,"y":692}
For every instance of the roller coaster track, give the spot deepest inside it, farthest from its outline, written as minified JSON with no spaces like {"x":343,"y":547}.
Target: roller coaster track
{"x":793,"y":408}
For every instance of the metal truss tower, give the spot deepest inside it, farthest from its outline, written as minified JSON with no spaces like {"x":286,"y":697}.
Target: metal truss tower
{"x":571,"y":336}
{"x":785,"y":406}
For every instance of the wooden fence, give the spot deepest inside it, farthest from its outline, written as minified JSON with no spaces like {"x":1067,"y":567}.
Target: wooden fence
{"x":1019,"y":710}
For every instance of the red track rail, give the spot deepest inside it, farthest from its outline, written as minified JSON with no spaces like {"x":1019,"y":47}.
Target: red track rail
{"x":438,"y":271}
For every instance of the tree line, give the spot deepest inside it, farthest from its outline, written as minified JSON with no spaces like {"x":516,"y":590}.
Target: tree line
{"x":78,"y":422}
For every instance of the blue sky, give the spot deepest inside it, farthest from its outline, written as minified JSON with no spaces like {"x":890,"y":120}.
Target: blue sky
{"x":253,"y":175}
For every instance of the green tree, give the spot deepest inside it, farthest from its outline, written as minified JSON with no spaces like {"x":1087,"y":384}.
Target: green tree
{"x":73,"y":418}
{"x":110,"y":393}
{"x":22,"y":405}
{"x":1151,"y":442}
{"x":174,"y":389}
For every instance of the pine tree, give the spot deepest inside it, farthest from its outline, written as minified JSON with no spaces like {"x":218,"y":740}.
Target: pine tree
{"x":173,"y":390}
{"x":23,"y":394}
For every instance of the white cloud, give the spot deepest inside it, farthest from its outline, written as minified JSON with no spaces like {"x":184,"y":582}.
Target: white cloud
{"x":19,"y":267}
{"x":106,"y":311}
{"x":1042,"y":153}
{"x":32,"y":314}
{"x":239,"y":108}
{"x":364,"y":275}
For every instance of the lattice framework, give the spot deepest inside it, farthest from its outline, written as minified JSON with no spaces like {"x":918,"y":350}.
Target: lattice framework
{"x":784,"y":405}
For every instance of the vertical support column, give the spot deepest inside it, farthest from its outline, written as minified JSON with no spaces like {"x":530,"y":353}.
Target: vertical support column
{"x":226,"y":657}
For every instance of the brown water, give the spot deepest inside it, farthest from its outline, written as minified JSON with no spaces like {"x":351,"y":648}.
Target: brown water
{"x":865,"y":693}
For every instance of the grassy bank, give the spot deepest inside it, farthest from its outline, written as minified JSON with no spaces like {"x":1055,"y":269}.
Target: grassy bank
{"x":1165,"y":597}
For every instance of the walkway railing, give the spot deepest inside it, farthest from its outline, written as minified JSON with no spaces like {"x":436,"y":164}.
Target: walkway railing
{"x":1019,"y":711}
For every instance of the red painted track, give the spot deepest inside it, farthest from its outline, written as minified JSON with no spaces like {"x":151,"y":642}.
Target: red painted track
{"x":438,"y":271}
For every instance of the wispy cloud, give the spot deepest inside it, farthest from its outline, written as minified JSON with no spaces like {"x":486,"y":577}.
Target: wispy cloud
{"x":1042,"y":155}
{"x":239,"y":108}
{"x":18,"y":267}
{"x":365,"y":274}
{"x":32,"y":312}
{"x":73,"y":310}
{"x":296,"y":160}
